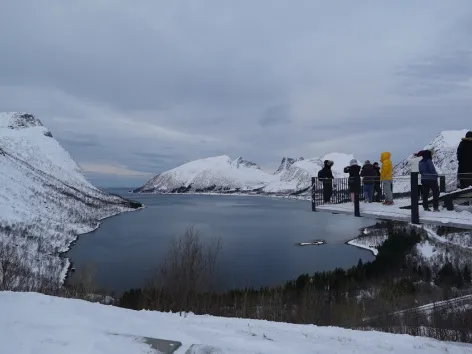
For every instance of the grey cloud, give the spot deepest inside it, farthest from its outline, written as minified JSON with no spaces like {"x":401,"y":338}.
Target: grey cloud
{"x":157,"y":84}
{"x":275,"y":115}
{"x":80,"y":140}
{"x":439,"y":74}
{"x":154,"y":155}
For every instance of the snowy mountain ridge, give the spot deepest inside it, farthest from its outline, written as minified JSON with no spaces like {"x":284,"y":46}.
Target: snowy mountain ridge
{"x":221,"y":174}
{"x":45,"y":201}
{"x":293,"y":176}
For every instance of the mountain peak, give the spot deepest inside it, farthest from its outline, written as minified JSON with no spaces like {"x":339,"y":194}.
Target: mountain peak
{"x":18,"y":120}
{"x":447,"y":139}
{"x":286,"y":163}
{"x":241,"y":162}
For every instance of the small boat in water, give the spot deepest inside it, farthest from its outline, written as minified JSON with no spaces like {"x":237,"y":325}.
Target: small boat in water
{"x":312,"y":243}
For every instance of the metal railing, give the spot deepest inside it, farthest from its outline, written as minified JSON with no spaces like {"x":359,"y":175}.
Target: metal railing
{"x":407,"y":188}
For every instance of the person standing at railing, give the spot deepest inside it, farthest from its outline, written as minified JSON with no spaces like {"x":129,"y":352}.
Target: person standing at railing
{"x":325,"y":175}
{"x":354,"y":178}
{"x":377,"y":189}
{"x":368,"y":174}
{"x":386,"y":177}
{"x":464,"y":157}
{"x":429,"y":178}
{"x":415,"y":167}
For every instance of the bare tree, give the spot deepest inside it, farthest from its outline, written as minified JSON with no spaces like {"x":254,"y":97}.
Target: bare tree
{"x":187,"y":273}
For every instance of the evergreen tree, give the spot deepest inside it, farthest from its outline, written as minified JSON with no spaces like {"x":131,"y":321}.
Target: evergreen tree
{"x":466,"y":274}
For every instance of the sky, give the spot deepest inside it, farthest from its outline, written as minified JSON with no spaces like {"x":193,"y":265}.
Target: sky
{"x":132,"y":89}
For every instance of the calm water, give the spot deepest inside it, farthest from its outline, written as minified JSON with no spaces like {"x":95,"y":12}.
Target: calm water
{"x":259,"y":236}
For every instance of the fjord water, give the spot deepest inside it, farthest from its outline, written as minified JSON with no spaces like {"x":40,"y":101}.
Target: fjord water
{"x":259,"y":239}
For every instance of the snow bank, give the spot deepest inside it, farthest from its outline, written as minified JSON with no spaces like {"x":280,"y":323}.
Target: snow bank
{"x":34,"y":323}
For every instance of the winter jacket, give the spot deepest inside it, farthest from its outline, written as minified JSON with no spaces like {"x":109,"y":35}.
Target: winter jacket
{"x":354,"y":177}
{"x":427,"y":169}
{"x":368,"y":173}
{"x":377,"y":175}
{"x":464,"y":154}
{"x":325,"y":174}
{"x":386,"y":170}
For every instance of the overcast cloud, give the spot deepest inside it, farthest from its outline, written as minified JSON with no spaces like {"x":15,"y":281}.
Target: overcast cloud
{"x":133,"y":88}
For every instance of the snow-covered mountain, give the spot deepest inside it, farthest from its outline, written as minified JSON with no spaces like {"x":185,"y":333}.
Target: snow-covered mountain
{"x":293,"y":176}
{"x":444,"y":147}
{"x":286,"y":163}
{"x":45,"y":201}
{"x":221,"y":174}
{"x":212,"y":174}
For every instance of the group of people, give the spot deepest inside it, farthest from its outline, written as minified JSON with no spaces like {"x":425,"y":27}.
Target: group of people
{"x":373,"y":177}
{"x":377,"y":179}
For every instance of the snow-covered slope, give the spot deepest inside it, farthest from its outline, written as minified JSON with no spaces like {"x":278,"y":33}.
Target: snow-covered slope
{"x":297,"y":176}
{"x":286,"y":163}
{"x":35,"y":323}
{"x":210,"y":174}
{"x":216,"y":174}
{"x":444,"y":147}
{"x":45,"y":201}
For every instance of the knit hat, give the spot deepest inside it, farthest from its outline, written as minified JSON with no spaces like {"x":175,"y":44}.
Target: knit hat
{"x":367,"y":162}
{"x":353,"y":162}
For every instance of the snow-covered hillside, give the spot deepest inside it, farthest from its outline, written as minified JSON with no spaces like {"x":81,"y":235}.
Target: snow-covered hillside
{"x":444,"y":147}
{"x":45,"y":201}
{"x":218,"y":174}
{"x":35,"y":323}
{"x":211,"y":174}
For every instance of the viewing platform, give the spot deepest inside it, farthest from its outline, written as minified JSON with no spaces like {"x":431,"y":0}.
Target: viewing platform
{"x":455,"y":205}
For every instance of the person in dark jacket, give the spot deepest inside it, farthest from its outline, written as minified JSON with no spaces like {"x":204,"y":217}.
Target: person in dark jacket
{"x":354,"y":178}
{"x":429,"y":179}
{"x":325,"y":175}
{"x":464,"y":157}
{"x":368,"y":174}
{"x":377,"y":188}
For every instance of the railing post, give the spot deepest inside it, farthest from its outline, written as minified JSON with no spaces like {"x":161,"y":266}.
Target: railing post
{"x":415,"y":210}
{"x":357,"y":207}
{"x":313,"y":193}
{"x":442,"y":184}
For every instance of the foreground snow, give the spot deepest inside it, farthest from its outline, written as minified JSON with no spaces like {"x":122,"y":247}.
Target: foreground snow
{"x":35,"y":323}
{"x":45,"y":201}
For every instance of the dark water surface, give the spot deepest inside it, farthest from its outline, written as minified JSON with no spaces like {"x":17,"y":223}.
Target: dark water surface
{"x":259,"y":236}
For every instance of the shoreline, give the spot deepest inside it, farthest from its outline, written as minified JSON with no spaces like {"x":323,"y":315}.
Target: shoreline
{"x":65,"y":274}
{"x":353,"y":243}
{"x":293,"y":197}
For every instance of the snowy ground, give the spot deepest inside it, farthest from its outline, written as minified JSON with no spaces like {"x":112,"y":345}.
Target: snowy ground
{"x":462,"y":219}
{"x":35,"y":323}
{"x":437,"y":250}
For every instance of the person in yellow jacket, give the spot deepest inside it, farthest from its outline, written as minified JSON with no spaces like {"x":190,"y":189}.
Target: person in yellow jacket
{"x":386,"y":177}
